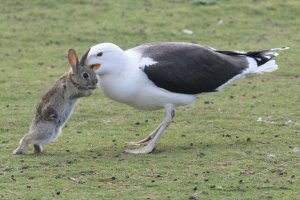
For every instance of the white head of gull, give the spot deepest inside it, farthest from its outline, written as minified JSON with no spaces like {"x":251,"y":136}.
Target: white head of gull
{"x":166,"y":75}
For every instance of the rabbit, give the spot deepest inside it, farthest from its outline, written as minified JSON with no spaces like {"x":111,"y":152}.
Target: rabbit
{"x":57,"y":104}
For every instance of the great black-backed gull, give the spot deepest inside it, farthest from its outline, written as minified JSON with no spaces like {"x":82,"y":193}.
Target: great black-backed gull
{"x":170,"y":74}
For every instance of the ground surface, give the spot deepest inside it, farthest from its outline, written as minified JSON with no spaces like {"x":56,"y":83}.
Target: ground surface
{"x":240,"y":143}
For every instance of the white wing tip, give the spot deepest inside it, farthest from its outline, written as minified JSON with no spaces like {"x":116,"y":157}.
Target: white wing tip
{"x":280,"y":49}
{"x":269,"y":66}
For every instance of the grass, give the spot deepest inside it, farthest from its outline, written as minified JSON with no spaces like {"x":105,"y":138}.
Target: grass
{"x":240,"y":143}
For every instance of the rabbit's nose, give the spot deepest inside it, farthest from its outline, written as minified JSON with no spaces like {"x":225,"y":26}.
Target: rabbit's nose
{"x":96,"y":81}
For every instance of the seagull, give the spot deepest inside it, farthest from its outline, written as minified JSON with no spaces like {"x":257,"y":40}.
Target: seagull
{"x":166,"y":75}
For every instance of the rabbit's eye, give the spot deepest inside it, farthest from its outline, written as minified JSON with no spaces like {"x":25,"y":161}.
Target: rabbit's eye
{"x":100,"y":54}
{"x":85,"y":75}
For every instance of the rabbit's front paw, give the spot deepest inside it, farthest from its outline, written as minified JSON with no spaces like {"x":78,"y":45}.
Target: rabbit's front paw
{"x":87,"y":93}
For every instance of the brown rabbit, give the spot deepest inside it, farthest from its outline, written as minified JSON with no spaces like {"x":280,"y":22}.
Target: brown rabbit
{"x":57,"y":104}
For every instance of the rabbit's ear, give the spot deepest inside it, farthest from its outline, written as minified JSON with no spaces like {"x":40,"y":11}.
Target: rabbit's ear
{"x":83,"y":57}
{"x":73,"y":59}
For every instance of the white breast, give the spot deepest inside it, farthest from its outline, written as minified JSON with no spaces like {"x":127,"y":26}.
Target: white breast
{"x":139,"y":92}
{"x":122,"y":88}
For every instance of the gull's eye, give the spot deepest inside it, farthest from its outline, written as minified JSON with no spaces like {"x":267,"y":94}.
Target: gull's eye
{"x":85,"y":75}
{"x":100,"y":54}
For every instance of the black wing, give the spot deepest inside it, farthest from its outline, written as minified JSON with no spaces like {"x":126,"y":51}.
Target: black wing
{"x":189,"y":68}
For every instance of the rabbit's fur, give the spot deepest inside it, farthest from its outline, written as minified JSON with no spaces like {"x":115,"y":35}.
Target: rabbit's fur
{"x":57,"y":104}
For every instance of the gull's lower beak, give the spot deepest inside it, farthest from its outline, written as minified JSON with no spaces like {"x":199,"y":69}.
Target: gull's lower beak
{"x":95,"y":66}
{"x":92,"y":87}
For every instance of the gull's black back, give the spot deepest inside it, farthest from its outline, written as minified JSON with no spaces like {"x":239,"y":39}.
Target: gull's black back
{"x":190,"y":68}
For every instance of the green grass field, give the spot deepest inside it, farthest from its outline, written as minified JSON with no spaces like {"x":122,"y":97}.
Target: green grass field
{"x":240,"y":143}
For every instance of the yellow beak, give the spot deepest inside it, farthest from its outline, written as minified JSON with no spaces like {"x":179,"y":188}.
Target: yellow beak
{"x":95,"y":66}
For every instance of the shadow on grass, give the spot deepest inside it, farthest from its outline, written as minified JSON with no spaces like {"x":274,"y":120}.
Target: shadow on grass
{"x":163,"y":149}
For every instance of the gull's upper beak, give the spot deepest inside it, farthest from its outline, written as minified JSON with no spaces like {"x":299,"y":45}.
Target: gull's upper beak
{"x":95,"y":66}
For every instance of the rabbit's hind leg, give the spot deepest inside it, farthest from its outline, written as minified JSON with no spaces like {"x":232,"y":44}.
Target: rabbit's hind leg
{"x":46,"y":133}
{"x":37,"y":148}
{"x":25,"y":141}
